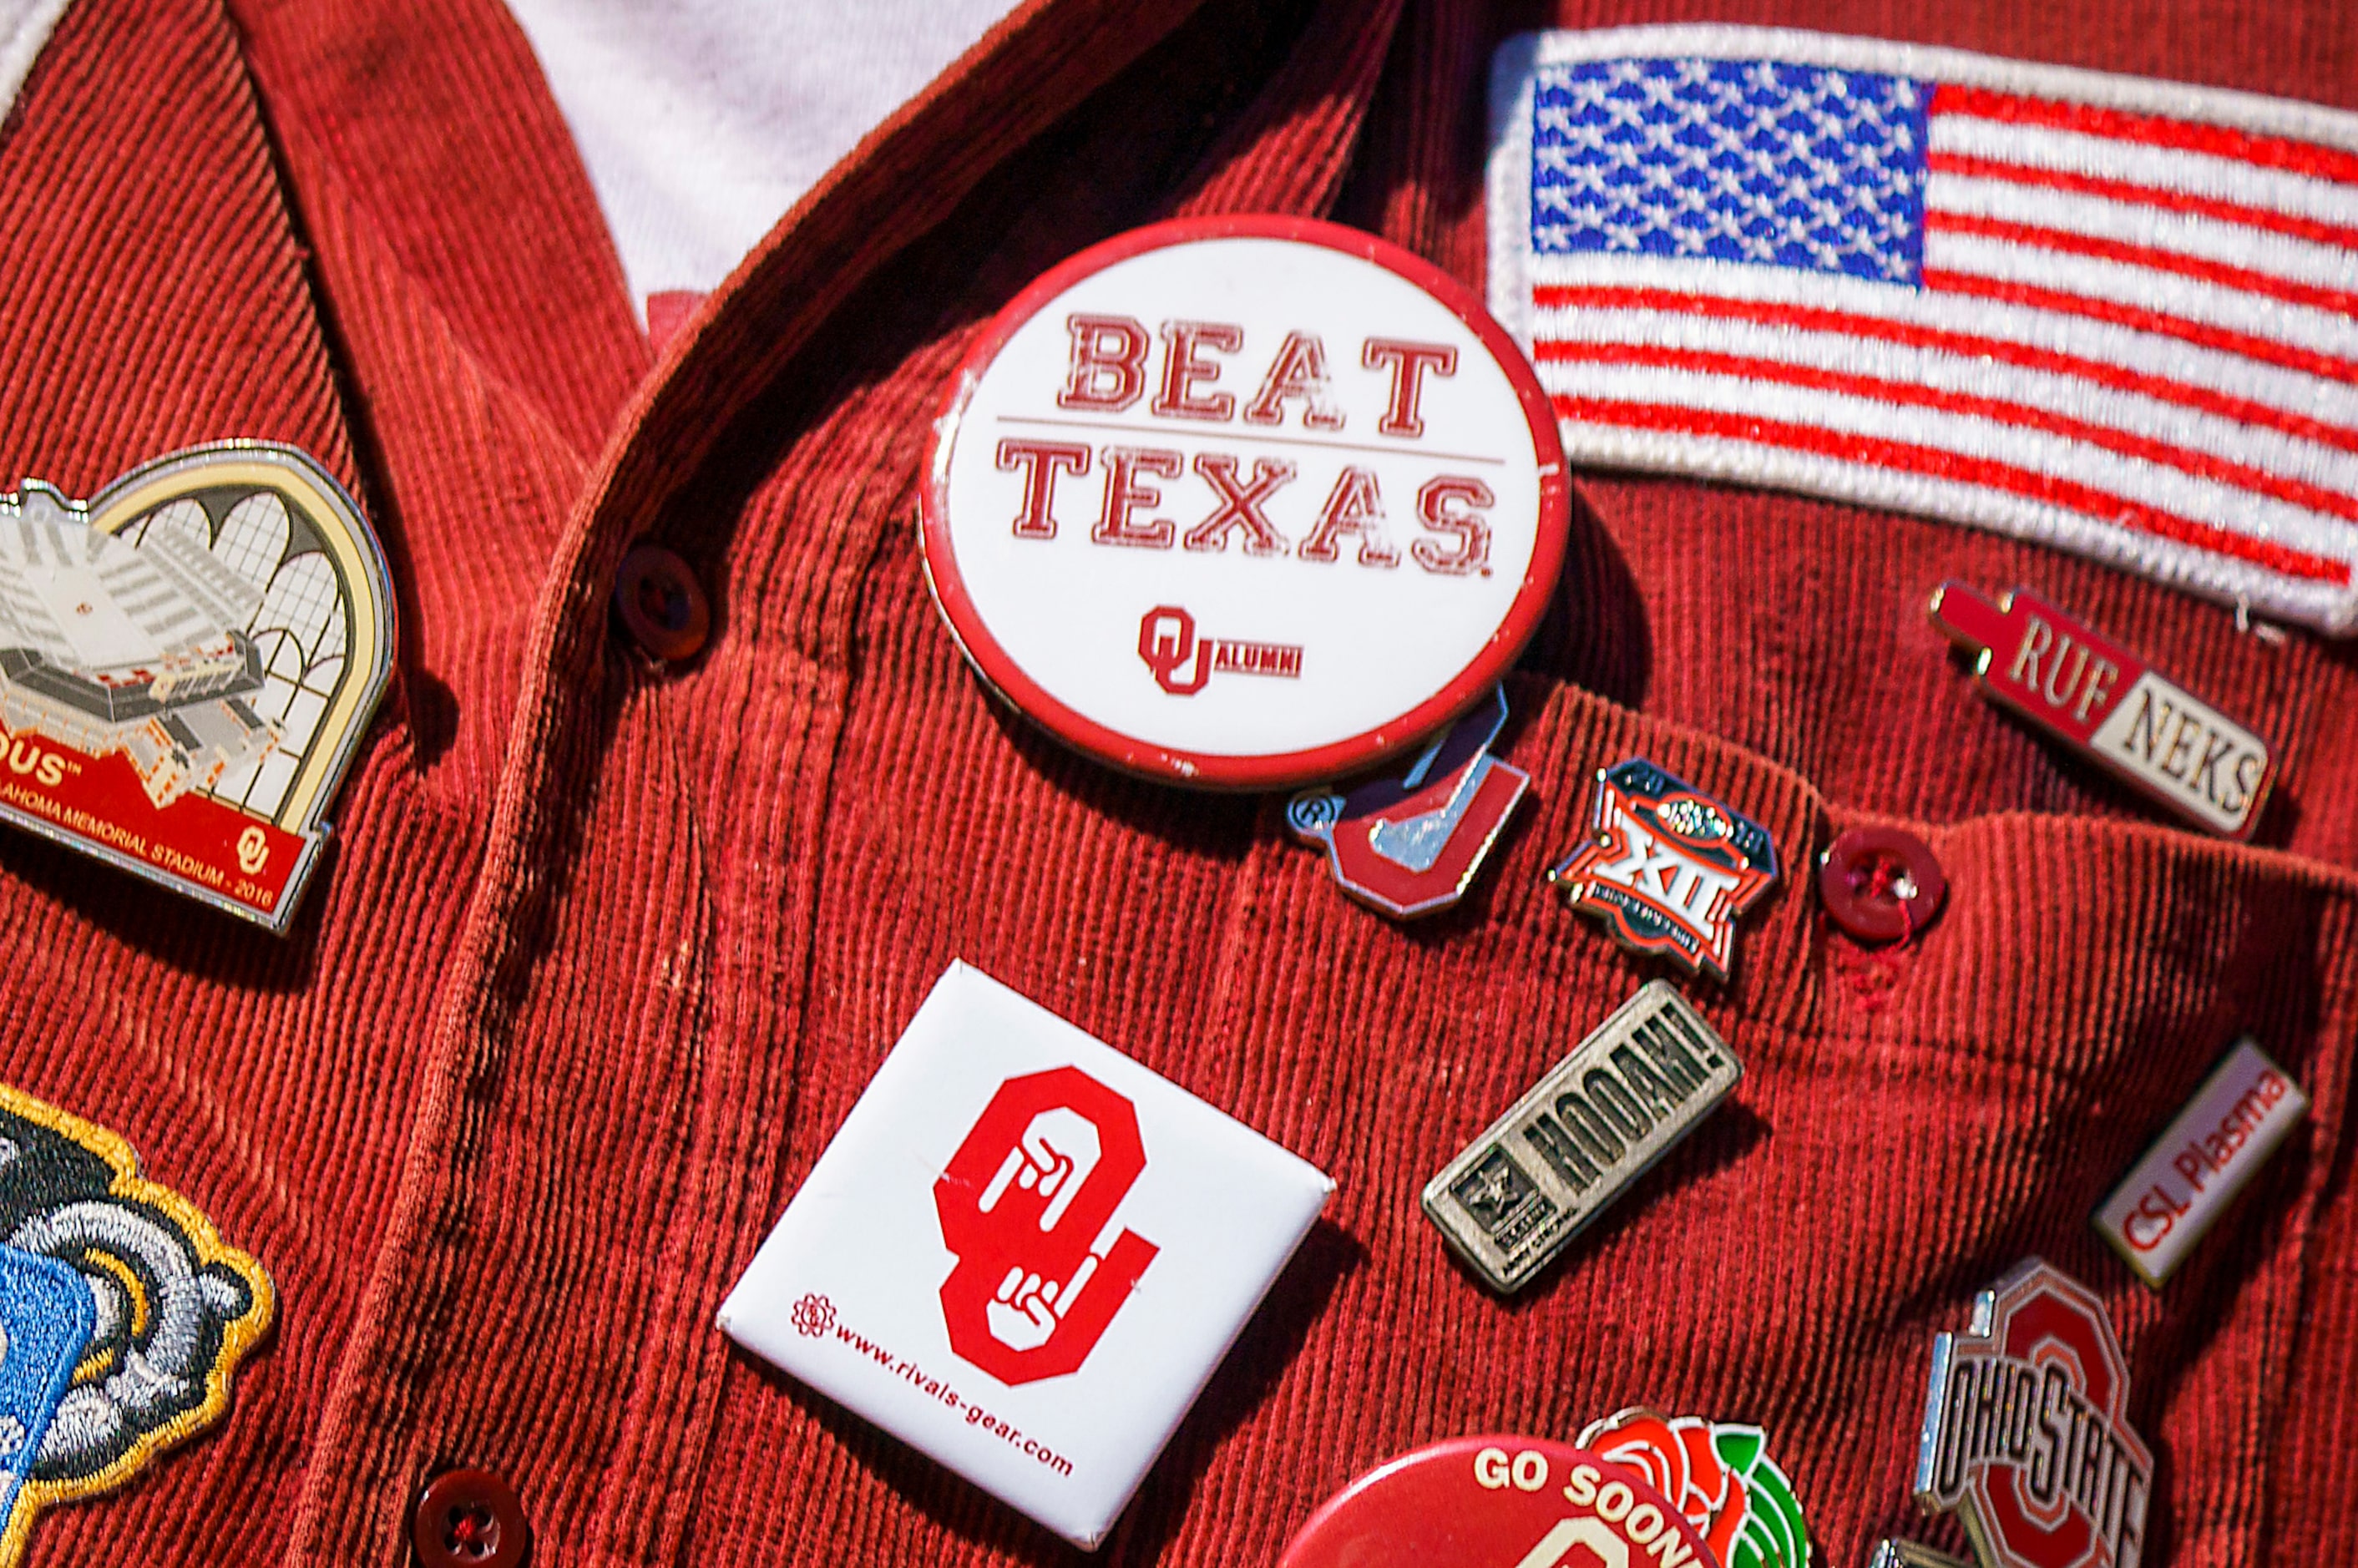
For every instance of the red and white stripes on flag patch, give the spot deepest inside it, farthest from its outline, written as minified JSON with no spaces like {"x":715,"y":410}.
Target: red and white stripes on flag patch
{"x":2116,"y":316}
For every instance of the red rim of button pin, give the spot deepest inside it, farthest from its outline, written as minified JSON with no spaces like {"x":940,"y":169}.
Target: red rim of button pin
{"x":1212,"y":771}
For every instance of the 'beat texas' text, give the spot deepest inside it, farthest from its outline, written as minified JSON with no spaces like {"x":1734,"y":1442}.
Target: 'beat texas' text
{"x":1109,"y":371}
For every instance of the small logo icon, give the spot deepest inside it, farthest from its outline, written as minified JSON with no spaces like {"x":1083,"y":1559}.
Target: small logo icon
{"x":1411,"y":843}
{"x":1027,"y":1204}
{"x":1167,"y":642}
{"x":1498,"y":1197}
{"x":2026,"y":1430}
{"x":1719,"y":1475}
{"x":814,"y":1315}
{"x":1668,"y":869}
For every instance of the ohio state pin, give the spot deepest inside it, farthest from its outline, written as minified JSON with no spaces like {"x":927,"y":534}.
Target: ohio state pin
{"x":1719,"y":1477}
{"x":2026,"y":1430}
{"x":1667,"y":868}
{"x":188,"y":662}
{"x":1244,"y":502}
{"x":2110,"y":706}
{"x":1412,"y":842}
{"x":1488,"y":1502}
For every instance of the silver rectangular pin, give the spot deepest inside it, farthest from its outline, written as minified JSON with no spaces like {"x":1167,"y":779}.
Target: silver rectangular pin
{"x":1518,"y":1195}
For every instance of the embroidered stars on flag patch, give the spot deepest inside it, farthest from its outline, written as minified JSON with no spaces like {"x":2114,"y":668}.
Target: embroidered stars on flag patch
{"x":187,"y":663}
{"x":1667,"y":868}
{"x":2112,"y":315}
{"x":122,"y":1316}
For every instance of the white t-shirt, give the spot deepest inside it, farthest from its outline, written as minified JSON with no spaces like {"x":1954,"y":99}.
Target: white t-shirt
{"x":702,"y":122}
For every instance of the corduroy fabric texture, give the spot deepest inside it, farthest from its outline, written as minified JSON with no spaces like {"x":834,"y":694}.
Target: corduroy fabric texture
{"x":605,"y":952}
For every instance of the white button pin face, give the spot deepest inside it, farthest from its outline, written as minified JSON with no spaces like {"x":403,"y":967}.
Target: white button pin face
{"x":1244,"y":502}
{"x":1023,"y":1254}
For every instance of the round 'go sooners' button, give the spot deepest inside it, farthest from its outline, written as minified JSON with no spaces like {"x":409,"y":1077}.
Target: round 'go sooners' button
{"x":1497,"y":1502}
{"x":1244,"y":502}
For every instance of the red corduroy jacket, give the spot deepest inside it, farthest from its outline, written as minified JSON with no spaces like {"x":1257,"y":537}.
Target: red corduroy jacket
{"x":605,"y":949}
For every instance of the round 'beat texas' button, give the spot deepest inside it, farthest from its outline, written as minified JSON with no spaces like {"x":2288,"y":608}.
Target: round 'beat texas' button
{"x":1492,"y":1502}
{"x":1244,"y":502}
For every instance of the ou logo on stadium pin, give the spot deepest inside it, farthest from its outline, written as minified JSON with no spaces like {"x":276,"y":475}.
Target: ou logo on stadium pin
{"x":1244,"y":502}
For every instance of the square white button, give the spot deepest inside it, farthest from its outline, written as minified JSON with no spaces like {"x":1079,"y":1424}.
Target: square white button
{"x":1023,"y":1254}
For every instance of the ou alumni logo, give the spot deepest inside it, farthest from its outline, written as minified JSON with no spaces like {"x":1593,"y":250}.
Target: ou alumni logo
{"x":1181,"y":661}
{"x":2026,"y":1434}
{"x":1026,"y":1205}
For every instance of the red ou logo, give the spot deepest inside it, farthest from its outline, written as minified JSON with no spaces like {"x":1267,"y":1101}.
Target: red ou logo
{"x":1024,"y":1206}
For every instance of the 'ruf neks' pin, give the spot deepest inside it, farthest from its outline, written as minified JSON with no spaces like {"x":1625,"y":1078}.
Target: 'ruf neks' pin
{"x":1517,"y":1195}
{"x":187,"y":664}
{"x":1667,"y":868}
{"x":1411,"y":843}
{"x":2026,"y":1431}
{"x":1719,"y":1475}
{"x":2110,"y":706}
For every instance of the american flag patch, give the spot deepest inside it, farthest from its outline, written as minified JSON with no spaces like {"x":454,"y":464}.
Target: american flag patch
{"x":2114,"y":315}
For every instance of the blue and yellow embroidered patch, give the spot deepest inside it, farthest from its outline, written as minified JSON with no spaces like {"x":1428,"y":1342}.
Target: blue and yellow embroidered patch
{"x":122,"y":1316}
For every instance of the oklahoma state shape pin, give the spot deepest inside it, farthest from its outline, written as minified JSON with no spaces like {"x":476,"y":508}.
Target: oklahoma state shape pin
{"x":1244,"y":502}
{"x":187,"y":661}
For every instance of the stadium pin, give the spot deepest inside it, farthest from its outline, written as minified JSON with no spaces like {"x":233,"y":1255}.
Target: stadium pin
{"x":2109,"y":706}
{"x":187,"y":664}
{"x":1667,"y":868}
{"x":1517,"y":1195}
{"x":1244,"y":502}
{"x":1411,"y":842}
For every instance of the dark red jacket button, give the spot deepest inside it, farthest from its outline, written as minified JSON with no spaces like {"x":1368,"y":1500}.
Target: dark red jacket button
{"x":469,"y":1519}
{"x":1880,"y":884}
{"x":662,"y":604}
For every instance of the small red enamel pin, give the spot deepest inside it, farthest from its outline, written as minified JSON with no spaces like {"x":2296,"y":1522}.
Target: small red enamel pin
{"x":1408,"y":843}
{"x":1667,"y":868}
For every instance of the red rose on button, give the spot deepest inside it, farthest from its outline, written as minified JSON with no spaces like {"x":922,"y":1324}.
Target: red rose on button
{"x":1719,"y":1475}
